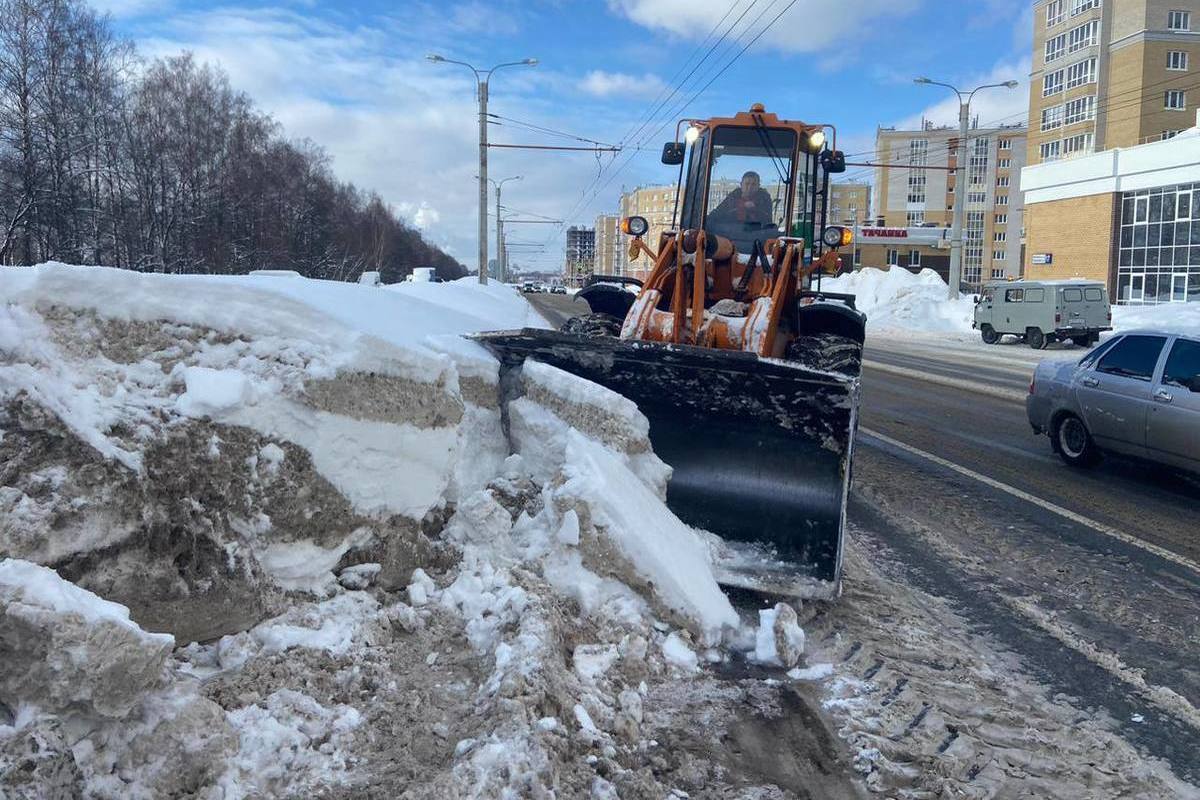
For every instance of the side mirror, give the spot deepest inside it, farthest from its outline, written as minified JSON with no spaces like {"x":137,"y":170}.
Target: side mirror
{"x":1193,"y":384}
{"x":976,"y":299}
{"x":673,"y":153}
{"x":834,"y":161}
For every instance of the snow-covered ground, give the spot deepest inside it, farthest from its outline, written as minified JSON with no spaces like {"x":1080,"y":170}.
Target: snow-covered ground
{"x":899,"y":303}
{"x":268,"y":537}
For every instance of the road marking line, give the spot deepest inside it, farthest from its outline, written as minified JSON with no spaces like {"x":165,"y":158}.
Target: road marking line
{"x":1012,"y":395}
{"x":1099,"y":527}
{"x":1167,"y":699}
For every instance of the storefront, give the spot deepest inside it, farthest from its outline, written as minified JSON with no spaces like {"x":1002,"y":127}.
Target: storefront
{"x":1129,"y":217}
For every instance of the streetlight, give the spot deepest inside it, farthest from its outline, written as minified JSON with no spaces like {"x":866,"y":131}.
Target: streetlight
{"x":482,"y":82}
{"x":500,"y":254}
{"x":956,"y":228}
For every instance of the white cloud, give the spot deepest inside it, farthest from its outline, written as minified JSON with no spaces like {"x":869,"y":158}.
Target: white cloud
{"x":808,"y":26}
{"x":606,"y":84}
{"x":129,"y":8}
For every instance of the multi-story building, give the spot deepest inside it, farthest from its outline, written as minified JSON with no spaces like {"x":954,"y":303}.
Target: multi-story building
{"x":610,"y":245}
{"x":580,"y":255}
{"x":1127,"y":216}
{"x":1111,"y":74}
{"x":915,"y":186}
{"x":657,"y":205}
{"x":849,"y":203}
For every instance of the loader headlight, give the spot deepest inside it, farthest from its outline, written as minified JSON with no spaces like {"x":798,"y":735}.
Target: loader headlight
{"x":837,"y":236}
{"x":635,"y":226}
{"x":816,"y":140}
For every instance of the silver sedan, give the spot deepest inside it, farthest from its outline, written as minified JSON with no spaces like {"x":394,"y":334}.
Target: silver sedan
{"x":1137,"y":394}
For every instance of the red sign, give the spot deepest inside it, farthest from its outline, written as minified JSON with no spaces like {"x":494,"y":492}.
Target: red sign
{"x":890,"y":233}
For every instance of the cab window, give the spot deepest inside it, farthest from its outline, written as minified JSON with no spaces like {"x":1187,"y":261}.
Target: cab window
{"x":1014,"y":295}
{"x":1073,"y":295}
{"x":1035,"y":295}
{"x":749,"y":178}
{"x":1093,"y":295}
{"x":1183,"y":365}
{"x":1133,"y":357}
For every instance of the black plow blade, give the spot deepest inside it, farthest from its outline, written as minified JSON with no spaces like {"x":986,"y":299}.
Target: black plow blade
{"x":760,"y":448}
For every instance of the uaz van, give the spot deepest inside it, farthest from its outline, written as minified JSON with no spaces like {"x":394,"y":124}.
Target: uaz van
{"x":1041,"y":312}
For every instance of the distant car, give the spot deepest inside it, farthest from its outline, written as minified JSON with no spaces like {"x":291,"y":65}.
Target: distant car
{"x":1137,"y":394}
{"x":529,"y":287}
{"x":1041,"y":312}
{"x":558,"y":288}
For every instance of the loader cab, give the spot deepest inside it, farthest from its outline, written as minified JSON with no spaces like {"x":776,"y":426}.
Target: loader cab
{"x":752,"y":178}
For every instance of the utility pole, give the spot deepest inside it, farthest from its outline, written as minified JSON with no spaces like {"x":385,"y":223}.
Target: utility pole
{"x":482,"y":92}
{"x":500,"y":226}
{"x":960,"y":181}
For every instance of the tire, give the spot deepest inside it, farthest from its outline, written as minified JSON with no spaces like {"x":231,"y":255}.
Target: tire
{"x":593,"y":325}
{"x":1073,"y":443}
{"x":1082,"y":341}
{"x":989,"y":334}
{"x":827,"y":352}
{"x":1035,"y":338}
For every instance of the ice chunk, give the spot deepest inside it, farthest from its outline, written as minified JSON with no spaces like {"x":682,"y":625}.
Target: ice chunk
{"x":676,"y":651}
{"x":212,"y":390}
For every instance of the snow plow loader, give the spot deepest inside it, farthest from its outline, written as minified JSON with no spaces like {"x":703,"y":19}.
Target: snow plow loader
{"x":747,"y":372}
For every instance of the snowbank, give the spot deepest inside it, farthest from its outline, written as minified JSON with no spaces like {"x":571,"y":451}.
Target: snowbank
{"x":897,"y":299}
{"x":1174,"y":317}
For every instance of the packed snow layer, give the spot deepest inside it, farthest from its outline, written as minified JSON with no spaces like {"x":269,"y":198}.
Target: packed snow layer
{"x":897,"y":299}
{"x":1172,"y":317}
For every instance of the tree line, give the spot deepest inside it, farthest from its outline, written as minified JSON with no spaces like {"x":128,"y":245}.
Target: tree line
{"x":160,"y":166}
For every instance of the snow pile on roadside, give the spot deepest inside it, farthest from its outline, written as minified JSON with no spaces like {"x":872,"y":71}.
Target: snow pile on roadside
{"x":897,"y":299}
{"x":370,"y":583}
{"x":1173,"y":317}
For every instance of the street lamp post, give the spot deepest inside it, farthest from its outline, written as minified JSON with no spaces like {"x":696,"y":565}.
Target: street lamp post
{"x":960,"y":200}
{"x":482,"y":88}
{"x":501,"y":267}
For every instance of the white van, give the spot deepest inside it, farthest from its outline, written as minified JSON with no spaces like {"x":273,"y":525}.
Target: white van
{"x":1041,"y":312}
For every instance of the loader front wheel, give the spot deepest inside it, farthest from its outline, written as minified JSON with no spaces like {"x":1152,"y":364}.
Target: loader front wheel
{"x":593,"y":325}
{"x":827,"y":352}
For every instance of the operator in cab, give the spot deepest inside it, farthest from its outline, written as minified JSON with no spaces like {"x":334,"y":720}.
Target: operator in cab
{"x":749,"y":204}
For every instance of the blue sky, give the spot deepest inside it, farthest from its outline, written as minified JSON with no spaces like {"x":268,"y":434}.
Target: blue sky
{"x":352,"y":76}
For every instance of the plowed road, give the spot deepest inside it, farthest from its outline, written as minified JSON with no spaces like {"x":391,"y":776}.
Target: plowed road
{"x":1091,"y":577}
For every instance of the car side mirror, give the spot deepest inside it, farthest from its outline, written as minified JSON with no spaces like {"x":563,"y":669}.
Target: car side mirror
{"x":976,"y":299}
{"x":834,"y":161}
{"x":673,"y":153}
{"x":1194,"y":384}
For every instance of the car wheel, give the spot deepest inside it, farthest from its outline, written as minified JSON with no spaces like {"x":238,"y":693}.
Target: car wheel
{"x":989,"y":334}
{"x":1035,"y":338}
{"x":1073,"y":443}
{"x":1082,"y":341}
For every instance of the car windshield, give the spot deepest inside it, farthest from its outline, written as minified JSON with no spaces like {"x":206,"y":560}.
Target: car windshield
{"x":748,"y":184}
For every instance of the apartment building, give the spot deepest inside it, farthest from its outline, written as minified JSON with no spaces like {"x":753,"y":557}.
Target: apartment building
{"x":1111,"y":73}
{"x":610,"y":245}
{"x":657,"y":205}
{"x":849,"y":203}
{"x":580,"y":255}
{"x":915,"y":186}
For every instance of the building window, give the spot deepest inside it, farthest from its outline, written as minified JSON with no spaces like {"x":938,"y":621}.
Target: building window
{"x":1054,"y":13}
{"x":1175,"y":100}
{"x":1179,"y":21}
{"x":1079,"y":6}
{"x":1000,"y":236}
{"x":1056,"y":47}
{"x":976,"y":197}
{"x":1002,"y":219}
{"x":1052,"y":117}
{"x":1159,"y":249}
{"x":998,"y":255}
{"x":1002,"y":180}
{"x":1051,"y":151}
{"x":1177,"y":60}
{"x":915,"y":219}
{"x":1081,"y":73}
{"x":1169,"y":135}
{"x":893,"y":257}
{"x":998,"y":273}
{"x":857,"y":257}
{"x":1001,"y":199}
{"x":1052,"y":83}
{"x":1004,"y":144}
{"x":1003,"y":163}
{"x":914,"y":258}
{"x":1082,"y":143}
{"x":1080,"y":110}
{"x":1083,"y":36}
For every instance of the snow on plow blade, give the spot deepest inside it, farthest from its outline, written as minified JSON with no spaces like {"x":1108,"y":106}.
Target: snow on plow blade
{"x":760,"y":448}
